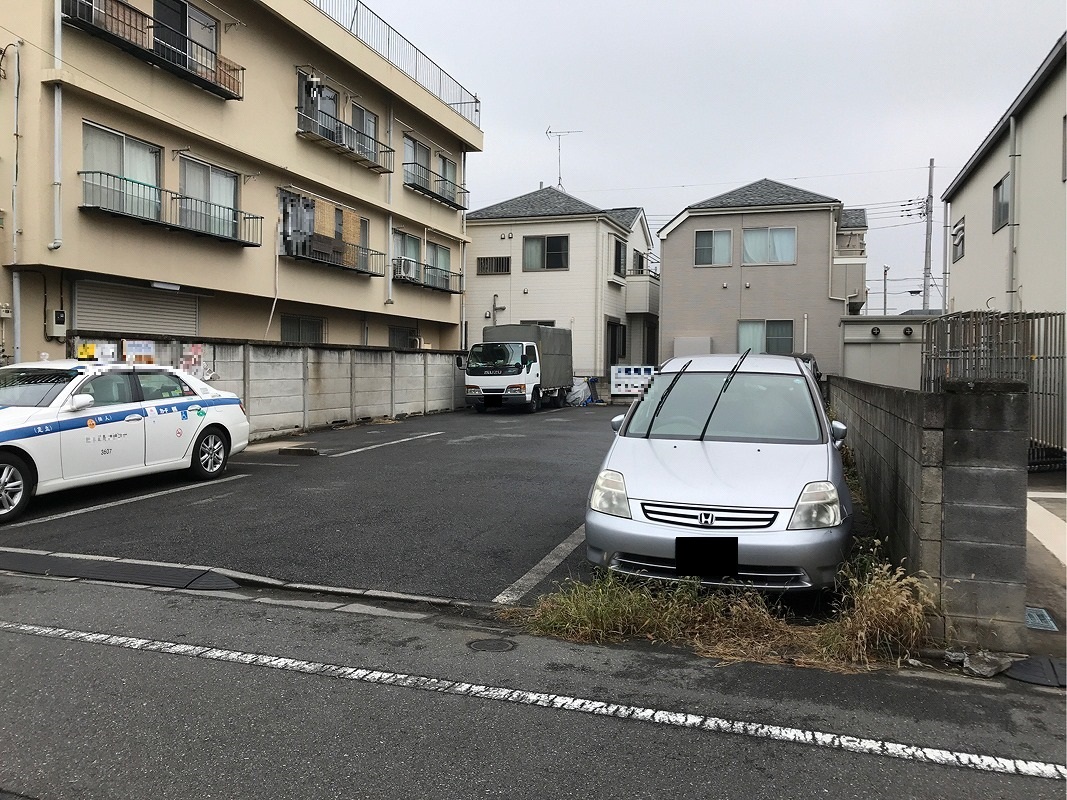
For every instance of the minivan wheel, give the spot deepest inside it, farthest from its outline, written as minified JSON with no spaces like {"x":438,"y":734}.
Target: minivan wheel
{"x":16,"y":487}
{"x":210,"y":454}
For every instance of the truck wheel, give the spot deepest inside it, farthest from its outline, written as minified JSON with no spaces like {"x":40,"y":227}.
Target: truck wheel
{"x":535,"y":401}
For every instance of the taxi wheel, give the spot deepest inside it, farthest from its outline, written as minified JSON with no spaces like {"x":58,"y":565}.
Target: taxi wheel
{"x":210,"y":454}
{"x":16,"y":486}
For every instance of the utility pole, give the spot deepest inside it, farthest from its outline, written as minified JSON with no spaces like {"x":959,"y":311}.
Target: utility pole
{"x":929,"y":211}
{"x":885,"y":289}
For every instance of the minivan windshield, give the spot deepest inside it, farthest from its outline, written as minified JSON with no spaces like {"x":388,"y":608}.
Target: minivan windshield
{"x":756,"y":407}
{"x":33,"y":387}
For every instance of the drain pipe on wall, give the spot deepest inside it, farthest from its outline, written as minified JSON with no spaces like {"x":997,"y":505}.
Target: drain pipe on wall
{"x":274,"y":305}
{"x":57,"y":132}
{"x":1012,"y":156}
{"x":16,"y":277}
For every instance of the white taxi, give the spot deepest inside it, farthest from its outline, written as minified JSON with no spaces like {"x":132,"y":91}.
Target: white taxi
{"x":73,"y":423}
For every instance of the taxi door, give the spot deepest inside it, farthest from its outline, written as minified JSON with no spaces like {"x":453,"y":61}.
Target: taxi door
{"x":174,"y":414}
{"x":107,"y":438}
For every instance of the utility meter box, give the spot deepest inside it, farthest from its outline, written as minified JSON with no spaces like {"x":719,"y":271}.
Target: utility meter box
{"x":57,"y":323}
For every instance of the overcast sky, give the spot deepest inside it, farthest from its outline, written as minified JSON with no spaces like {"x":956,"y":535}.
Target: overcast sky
{"x":677,"y":101}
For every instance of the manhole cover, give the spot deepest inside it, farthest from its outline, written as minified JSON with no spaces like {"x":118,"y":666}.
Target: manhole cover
{"x":1039,"y":620}
{"x":492,"y":645}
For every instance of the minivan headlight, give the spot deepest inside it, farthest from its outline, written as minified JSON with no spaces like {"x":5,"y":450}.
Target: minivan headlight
{"x":819,"y":507}
{"x":608,"y":495}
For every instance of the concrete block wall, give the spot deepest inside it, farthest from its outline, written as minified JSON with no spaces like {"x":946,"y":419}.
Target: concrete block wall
{"x":945,"y":480}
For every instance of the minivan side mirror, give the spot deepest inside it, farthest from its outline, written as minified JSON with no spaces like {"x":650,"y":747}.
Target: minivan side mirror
{"x":838,"y":432}
{"x":616,"y":422}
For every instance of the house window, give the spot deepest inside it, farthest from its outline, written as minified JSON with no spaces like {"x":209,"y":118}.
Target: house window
{"x":403,"y":338}
{"x":416,"y":163}
{"x":713,"y":249}
{"x":547,"y":323}
{"x":209,"y":196}
{"x":121,"y":173}
{"x":544,"y":252}
{"x":494,"y":265}
{"x":957,"y":240}
{"x":303,"y":330}
{"x":1001,"y":203}
{"x":639,"y":263}
{"x":620,"y":257}
{"x":769,"y":246}
{"x":774,"y":336}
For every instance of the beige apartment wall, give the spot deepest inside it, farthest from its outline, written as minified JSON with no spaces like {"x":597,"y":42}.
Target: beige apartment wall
{"x":254,"y":137}
{"x":695,"y":303}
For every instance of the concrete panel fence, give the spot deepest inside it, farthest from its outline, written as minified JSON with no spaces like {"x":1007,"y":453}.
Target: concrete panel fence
{"x":945,"y":477}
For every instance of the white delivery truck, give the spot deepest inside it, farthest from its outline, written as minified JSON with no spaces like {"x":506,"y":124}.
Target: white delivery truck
{"x":519,"y":365}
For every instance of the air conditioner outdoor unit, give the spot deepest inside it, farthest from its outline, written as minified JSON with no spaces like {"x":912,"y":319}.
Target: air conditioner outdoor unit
{"x":405,"y":268}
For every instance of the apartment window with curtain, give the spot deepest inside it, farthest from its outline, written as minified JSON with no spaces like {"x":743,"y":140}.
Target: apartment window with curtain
{"x":713,"y":249}
{"x":545,"y":253}
{"x":209,"y":197}
{"x":438,"y":265}
{"x":121,"y":173}
{"x":769,"y":246}
{"x":1001,"y":203}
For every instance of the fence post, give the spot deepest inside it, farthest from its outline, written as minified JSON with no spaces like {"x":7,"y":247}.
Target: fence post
{"x":246,"y":377}
{"x":352,"y":385}
{"x":305,"y":351}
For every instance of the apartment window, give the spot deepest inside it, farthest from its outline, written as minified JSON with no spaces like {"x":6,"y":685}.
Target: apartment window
{"x":121,"y":173}
{"x":1001,"y":203}
{"x":416,"y":163}
{"x":403,"y":338}
{"x":957,"y":240}
{"x":446,"y":168}
{"x":545,"y":252}
{"x":209,"y":196}
{"x":303,"y":330}
{"x":620,"y":257}
{"x":774,"y":336}
{"x":186,"y":36}
{"x":713,"y":249}
{"x":438,"y":265}
{"x":366,"y":125}
{"x":769,"y":246}
{"x":494,"y":265}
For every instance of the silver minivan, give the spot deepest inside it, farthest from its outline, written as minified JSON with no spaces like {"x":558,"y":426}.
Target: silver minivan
{"x":726,"y":469}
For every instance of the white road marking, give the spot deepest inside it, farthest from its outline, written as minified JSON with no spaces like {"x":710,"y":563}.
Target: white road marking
{"x":128,"y":500}
{"x":542,"y":569}
{"x":832,"y":741}
{"x":384,"y":444}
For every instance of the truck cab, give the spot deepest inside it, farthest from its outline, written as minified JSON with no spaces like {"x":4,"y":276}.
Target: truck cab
{"x":518,"y":365}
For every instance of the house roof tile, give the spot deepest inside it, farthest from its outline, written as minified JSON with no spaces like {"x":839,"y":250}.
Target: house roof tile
{"x":547,"y":202}
{"x":764,"y":193}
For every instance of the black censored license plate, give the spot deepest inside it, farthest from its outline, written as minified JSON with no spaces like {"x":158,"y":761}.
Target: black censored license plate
{"x":711,"y":557}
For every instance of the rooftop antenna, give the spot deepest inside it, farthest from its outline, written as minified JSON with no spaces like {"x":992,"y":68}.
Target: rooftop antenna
{"x":559,"y":152}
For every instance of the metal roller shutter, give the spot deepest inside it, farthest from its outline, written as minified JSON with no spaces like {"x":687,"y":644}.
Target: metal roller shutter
{"x":131,"y":309}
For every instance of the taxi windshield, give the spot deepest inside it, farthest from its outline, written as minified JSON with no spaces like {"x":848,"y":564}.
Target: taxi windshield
{"x":33,"y":387}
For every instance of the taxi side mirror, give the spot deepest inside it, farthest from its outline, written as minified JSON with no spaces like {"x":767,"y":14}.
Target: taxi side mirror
{"x":81,"y":401}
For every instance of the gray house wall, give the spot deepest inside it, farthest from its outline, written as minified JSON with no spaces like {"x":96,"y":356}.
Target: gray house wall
{"x":696,"y":304}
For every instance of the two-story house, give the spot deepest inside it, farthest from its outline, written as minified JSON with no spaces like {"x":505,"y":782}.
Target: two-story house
{"x":766,"y":266}
{"x":547,"y":257}
{"x":1005,"y":210}
{"x":276,"y":170}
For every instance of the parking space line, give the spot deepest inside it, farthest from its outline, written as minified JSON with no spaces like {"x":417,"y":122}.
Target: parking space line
{"x":542,"y":569}
{"x":566,"y":703}
{"x":137,"y":499}
{"x":384,"y":444}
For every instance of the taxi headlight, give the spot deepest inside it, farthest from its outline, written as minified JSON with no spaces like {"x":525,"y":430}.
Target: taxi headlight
{"x":818,"y":507}
{"x":608,"y":494}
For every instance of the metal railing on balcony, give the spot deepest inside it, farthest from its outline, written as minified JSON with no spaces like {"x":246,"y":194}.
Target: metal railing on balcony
{"x":102,"y":191}
{"x":159,"y":44}
{"x":330,"y":132}
{"x":410,"y":271}
{"x":335,"y":252}
{"x":438,"y":187}
{"x":1015,"y":346}
{"x":379,"y":36}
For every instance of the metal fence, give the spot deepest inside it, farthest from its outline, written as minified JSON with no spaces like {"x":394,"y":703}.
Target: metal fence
{"x":1016,"y":346}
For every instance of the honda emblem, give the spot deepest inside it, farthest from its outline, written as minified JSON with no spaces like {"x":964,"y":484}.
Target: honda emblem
{"x":706,"y":519}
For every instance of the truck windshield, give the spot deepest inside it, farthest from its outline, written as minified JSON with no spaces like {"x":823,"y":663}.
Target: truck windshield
{"x":495,"y":354}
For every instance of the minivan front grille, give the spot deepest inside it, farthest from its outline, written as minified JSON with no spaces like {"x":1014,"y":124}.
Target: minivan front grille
{"x":709,"y":517}
{"x":756,"y":576}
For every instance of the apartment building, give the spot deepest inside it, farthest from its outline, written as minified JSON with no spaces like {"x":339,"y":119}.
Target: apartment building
{"x":548,"y":257}
{"x":270,"y":170}
{"x":1006,"y":249}
{"x":766,"y":266}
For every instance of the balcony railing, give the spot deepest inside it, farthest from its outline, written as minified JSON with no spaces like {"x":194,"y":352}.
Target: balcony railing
{"x":435,"y":186}
{"x":150,"y":40}
{"x":411,"y":271}
{"x":373,"y":31}
{"x":335,"y":252}
{"x":335,"y":135}
{"x":118,"y":196}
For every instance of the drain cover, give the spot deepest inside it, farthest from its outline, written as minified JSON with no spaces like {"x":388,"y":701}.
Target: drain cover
{"x":1042,"y":670}
{"x":1039,"y":620}
{"x":492,"y":645}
